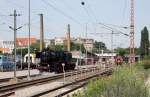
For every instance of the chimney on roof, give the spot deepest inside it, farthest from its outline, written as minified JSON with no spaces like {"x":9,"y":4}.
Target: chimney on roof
{"x":41,"y":32}
{"x":68,"y":38}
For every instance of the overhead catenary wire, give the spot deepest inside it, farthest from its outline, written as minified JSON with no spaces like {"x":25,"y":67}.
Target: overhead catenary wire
{"x":83,"y":3}
{"x":6,"y":18}
{"x":91,"y":10}
{"x":11,"y":2}
{"x":118,"y":26}
{"x":67,"y":5}
{"x":63,"y":13}
{"x":124,"y":11}
{"x":24,"y":23}
{"x":60,"y":11}
{"x":14,"y":4}
{"x":113,"y":29}
{"x":47,"y":3}
{"x":91,"y":16}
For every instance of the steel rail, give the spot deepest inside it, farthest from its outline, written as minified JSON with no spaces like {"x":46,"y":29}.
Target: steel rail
{"x":23,"y":84}
{"x":7,"y":94}
{"x":20,"y":77}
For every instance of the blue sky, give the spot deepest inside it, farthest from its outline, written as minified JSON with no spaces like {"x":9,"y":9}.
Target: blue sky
{"x":59,"y":13}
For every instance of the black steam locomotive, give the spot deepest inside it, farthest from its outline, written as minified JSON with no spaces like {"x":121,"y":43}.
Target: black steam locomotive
{"x":51,"y":61}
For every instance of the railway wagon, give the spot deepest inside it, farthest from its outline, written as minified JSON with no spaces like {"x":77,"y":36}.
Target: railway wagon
{"x":51,"y":61}
{"x":6,"y":63}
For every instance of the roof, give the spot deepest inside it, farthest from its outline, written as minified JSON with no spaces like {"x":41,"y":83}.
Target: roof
{"x":24,"y":41}
{"x":5,"y":49}
{"x":107,"y":54}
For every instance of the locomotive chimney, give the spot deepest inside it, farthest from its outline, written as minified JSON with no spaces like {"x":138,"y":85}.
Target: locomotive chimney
{"x":68,"y":38}
{"x":41,"y":32}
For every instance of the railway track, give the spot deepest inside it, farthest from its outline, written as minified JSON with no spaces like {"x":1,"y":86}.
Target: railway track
{"x":12,"y":87}
{"x":71,"y":86}
{"x":20,"y":77}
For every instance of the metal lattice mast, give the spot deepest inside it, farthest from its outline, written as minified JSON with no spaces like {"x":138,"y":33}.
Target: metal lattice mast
{"x":132,"y":52}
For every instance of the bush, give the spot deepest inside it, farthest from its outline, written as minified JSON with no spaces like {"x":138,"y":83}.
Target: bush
{"x":125,"y":82}
{"x":146,"y":64}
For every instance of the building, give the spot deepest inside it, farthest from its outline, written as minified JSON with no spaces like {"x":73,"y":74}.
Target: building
{"x":6,"y":46}
{"x":77,"y":55}
{"x":60,"y":41}
{"x":88,"y":43}
{"x":23,"y":42}
{"x":49,"y":42}
{"x":105,"y":57}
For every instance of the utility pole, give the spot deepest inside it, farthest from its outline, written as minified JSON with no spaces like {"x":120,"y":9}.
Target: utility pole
{"x":132,"y":51}
{"x":80,"y":49}
{"x":41,"y":32}
{"x":28,"y":77}
{"x":68,"y":39}
{"x":86,"y":42}
{"x":112,"y":48}
{"x":15,"y":31}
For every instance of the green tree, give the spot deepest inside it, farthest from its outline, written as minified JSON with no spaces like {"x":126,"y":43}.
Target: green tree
{"x":77,"y":47}
{"x":144,"y":47}
{"x":33,"y":48}
{"x":124,"y":51}
{"x":121,"y":51}
{"x":60,"y":47}
{"x":99,"y":46}
{"x":74,"y":47}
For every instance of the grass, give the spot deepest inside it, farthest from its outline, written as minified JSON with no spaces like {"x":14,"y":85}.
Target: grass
{"x":124,"y":82}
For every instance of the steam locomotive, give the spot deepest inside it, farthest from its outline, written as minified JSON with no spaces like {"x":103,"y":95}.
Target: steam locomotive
{"x":51,"y":61}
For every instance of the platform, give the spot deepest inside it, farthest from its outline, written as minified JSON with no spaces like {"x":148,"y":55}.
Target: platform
{"x":19,"y":73}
